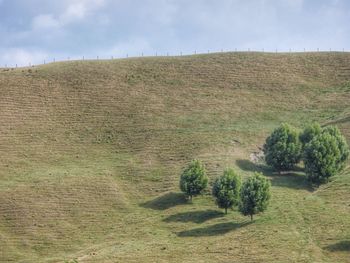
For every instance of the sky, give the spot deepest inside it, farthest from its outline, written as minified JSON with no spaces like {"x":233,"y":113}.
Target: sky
{"x":34,"y":31}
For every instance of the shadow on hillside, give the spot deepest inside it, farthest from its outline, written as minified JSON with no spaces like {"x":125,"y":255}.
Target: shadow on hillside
{"x":214,"y":230}
{"x":166,"y":201}
{"x":194,"y":216}
{"x":340,"y":246}
{"x":295,"y":179}
{"x":291,"y":180}
{"x":249,"y":166}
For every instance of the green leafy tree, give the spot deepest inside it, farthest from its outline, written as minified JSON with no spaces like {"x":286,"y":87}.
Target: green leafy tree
{"x":193,"y":179}
{"x":226,"y":189}
{"x":342,"y":145}
{"x":283,"y":148}
{"x":325,"y":155}
{"x":255,"y":195}
{"x":310,"y":132}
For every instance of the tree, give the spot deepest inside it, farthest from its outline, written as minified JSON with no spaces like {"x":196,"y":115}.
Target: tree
{"x":342,"y":145}
{"x":283,"y":148}
{"x":226,"y":189}
{"x":325,"y":155}
{"x":193,"y":179}
{"x":255,"y":195}
{"x":310,"y":132}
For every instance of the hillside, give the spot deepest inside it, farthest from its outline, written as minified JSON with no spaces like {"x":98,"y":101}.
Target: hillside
{"x":91,"y":152}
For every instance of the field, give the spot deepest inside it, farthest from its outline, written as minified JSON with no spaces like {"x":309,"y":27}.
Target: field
{"x":91,"y":153}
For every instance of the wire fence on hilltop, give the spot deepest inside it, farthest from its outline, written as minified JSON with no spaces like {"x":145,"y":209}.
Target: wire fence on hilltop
{"x":164,"y":54}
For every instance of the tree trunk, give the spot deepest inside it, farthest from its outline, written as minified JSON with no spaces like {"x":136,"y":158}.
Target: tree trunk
{"x":251,"y":217}
{"x":226,"y":210}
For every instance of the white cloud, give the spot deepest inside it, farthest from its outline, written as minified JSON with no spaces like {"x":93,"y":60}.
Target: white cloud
{"x":133,"y":47}
{"x":22,"y":57}
{"x":295,"y":3}
{"x":45,"y":22}
{"x":167,"y":11}
{"x":79,"y":9}
{"x":75,"y":10}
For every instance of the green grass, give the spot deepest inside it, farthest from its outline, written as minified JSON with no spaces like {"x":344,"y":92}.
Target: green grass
{"x":91,"y":153}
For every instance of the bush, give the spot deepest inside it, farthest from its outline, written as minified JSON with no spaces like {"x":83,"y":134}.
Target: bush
{"x":283,"y":148}
{"x":255,"y":195}
{"x":325,"y":155}
{"x":310,"y":132}
{"x":226,"y":189}
{"x":342,"y":145}
{"x":193,"y":179}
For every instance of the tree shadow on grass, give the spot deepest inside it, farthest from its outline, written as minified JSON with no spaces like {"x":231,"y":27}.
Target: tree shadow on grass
{"x":292,"y":180}
{"x":194,"y":216}
{"x":295,"y":179}
{"x":166,"y":201}
{"x":249,"y":166}
{"x":340,"y":246}
{"x":214,"y":230}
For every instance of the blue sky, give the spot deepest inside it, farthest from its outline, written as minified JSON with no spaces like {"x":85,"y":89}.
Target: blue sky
{"x":36,"y":30}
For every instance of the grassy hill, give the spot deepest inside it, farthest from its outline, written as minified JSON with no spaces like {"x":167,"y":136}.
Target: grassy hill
{"x":91,"y":152}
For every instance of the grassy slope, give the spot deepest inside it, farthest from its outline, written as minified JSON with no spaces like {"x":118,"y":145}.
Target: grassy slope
{"x":91,"y":153}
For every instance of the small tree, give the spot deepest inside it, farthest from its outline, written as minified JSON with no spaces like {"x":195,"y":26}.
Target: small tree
{"x":310,"y":132}
{"x":342,"y":145}
{"x":193,"y":179}
{"x":226,"y":189}
{"x":255,"y":195}
{"x":325,"y":155}
{"x":283,"y":148}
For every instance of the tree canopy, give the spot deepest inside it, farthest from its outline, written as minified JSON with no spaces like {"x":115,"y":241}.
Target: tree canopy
{"x":325,"y":155}
{"x":255,"y":195}
{"x":226,"y":189}
{"x":193,"y":179}
{"x":283,"y":148}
